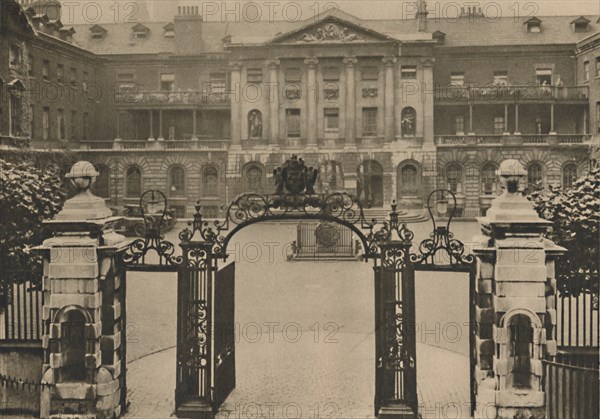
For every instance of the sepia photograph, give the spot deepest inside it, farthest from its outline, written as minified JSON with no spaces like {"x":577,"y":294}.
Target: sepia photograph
{"x":299,"y":209}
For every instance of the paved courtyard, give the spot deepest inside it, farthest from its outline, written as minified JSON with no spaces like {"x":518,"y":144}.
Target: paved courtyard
{"x":305,"y":335}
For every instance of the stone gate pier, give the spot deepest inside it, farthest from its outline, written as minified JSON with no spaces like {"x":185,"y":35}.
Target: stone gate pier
{"x":515,"y":311}
{"x":84,"y":306}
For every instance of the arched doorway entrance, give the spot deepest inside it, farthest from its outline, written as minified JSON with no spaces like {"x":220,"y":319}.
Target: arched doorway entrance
{"x":408,"y":179}
{"x":206,"y":345}
{"x":369,"y":183}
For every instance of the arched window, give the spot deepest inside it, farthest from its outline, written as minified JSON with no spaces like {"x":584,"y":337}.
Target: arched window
{"x":255,"y":127}
{"x":489,"y":185}
{"x":210,"y":181}
{"x":408,"y":179}
{"x":409,"y":122}
{"x":101,"y":186}
{"x":331,"y":176}
{"x":534,"y":177}
{"x":133,"y":182}
{"x":253,"y":178}
{"x":569,"y":175}
{"x":454,"y":177}
{"x":177,"y":182}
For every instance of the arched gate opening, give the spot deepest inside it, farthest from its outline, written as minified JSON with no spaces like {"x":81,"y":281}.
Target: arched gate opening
{"x":206,"y":293}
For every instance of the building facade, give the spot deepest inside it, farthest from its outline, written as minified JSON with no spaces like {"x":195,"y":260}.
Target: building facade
{"x":386,"y":109}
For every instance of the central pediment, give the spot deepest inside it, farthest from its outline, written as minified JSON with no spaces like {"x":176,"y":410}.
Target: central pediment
{"x":330,"y":31}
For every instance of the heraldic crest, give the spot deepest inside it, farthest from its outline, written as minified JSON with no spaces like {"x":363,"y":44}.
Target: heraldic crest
{"x":294,"y":178}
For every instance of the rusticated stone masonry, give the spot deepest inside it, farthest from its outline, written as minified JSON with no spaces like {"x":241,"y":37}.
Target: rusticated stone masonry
{"x":84,"y":357}
{"x":515,"y":309}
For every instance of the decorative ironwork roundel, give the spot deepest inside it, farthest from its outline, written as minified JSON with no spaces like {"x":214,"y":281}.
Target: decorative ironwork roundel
{"x":327,"y":235}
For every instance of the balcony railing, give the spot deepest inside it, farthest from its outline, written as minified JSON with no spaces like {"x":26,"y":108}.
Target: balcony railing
{"x":465,"y":94}
{"x":172,"y":98}
{"x":201,"y":144}
{"x":14,"y":142}
{"x":452,"y":140}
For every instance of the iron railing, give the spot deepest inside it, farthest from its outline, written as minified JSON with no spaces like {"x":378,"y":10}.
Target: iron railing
{"x":571,"y":391}
{"x":577,"y":320}
{"x":500,"y":93}
{"x":172,"y":98}
{"x":21,"y":301}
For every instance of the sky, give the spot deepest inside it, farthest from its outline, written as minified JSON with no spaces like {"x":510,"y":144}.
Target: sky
{"x":105,"y":11}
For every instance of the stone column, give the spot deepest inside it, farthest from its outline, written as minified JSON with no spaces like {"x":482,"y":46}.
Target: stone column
{"x":236,"y":105}
{"x":506,"y":120}
{"x":552,"y":132}
{"x":84,"y":307}
{"x":585,"y":120}
{"x":195,"y":129}
{"x":471,"y":120}
{"x":428,"y":102}
{"x":312,"y":98}
{"x":118,"y":138}
{"x":151,"y":138}
{"x":274,"y":94}
{"x":350,"y":117}
{"x":517,"y":132}
{"x":389,"y":99}
{"x":515,"y":304}
{"x":160,"y":126}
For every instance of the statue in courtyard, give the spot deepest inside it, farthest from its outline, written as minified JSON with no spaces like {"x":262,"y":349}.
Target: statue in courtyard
{"x":408,"y":124}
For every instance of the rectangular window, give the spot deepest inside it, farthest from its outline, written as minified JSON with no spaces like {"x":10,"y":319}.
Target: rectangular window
{"x":457,"y":79}
{"x":73,"y":76}
{"x":408,"y":72}
{"x":125,"y":81}
{"x":370,"y":73}
{"x":459,"y":124}
{"x":31,"y":70}
{"x":331,"y":117}
{"x":369,"y":121}
{"x":15,"y":55}
{"x":46,"y":70}
{"x":85,"y":125}
{"x":597,"y":66}
{"x":500,"y":78}
{"x":60,"y":73}
{"x":218,"y":82}
{"x":293,"y":75}
{"x":255,"y":75}
{"x":292,"y":123}
{"x":331,"y":74}
{"x":45,"y":123}
{"x":73,"y":130}
{"x":498,"y":125}
{"x":167,"y":82}
{"x":586,"y":71}
{"x":31,"y":121}
{"x":60,"y":121}
{"x":15,"y":115}
{"x":543,"y":76}
{"x":598,"y":117}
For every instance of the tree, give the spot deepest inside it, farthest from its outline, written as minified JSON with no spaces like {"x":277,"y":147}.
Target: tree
{"x":575,"y":217}
{"x":29,"y":196}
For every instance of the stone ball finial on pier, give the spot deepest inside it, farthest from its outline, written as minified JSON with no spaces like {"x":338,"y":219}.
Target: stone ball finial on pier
{"x":512,"y":173}
{"x":85,"y":205}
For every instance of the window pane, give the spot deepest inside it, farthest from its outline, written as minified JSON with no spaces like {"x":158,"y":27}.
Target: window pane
{"x":210,"y":181}
{"x":253,"y":176}
{"x":569,"y":175}
{"x":177,"y":182}
{"x":409,"y":178}
{"x":331,"y":116}
{"x":133,"y":183}
{"x":534,"y":176}
{"x":459,"y":124}
{"x":498,"y":125}
{"x":292,"y":121}
{"x":369,"y":120}
{"x":409,"y":72}
{"x":454,"y":178}
{"x":488,"y":179}
{"x":457,"y":79}
{"x":255,"y":75}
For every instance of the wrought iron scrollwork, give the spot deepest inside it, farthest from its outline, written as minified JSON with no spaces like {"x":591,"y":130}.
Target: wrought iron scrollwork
{"x":196,"y":353}
{"x":153,"y":207}
{"x":441,"y":241}
{"x":210,"y":234}
{"x":391,"y":255}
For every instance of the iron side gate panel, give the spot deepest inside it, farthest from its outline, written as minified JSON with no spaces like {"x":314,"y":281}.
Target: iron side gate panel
{"x":224,"y":334}
{"x":194,"y":292}
{"x":395,"y":369}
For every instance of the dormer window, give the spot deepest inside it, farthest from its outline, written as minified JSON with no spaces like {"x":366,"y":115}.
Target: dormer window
{"x":439,"y":36}
{"x":581,"y":24}
{"x":169,"y":30}
{"x":533,"y":25}
{"x":97,"y":32}
{"x":140,"y":31}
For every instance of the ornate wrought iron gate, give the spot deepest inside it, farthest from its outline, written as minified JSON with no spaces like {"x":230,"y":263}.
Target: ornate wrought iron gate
{"x":205,"y":303}
{"x":224,"y":336}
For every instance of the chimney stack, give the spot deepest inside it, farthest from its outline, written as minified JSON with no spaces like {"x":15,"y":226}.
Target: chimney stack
{"x":188,"y":30}
{"x":422,"y":16}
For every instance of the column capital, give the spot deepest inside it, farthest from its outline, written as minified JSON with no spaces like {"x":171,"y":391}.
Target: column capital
{"x":350,"y":61}
{"x":427,"y":61}
{"x":273,"y":64}
{"x":235,"y":65}
{"x":389,"y":61}
{"x":311,"y":62}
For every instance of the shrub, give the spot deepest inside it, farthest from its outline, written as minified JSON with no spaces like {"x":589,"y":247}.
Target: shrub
{"x":575,"y":215}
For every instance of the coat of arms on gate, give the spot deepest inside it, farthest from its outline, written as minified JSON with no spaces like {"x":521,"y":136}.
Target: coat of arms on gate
{"x":295,"y":177}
